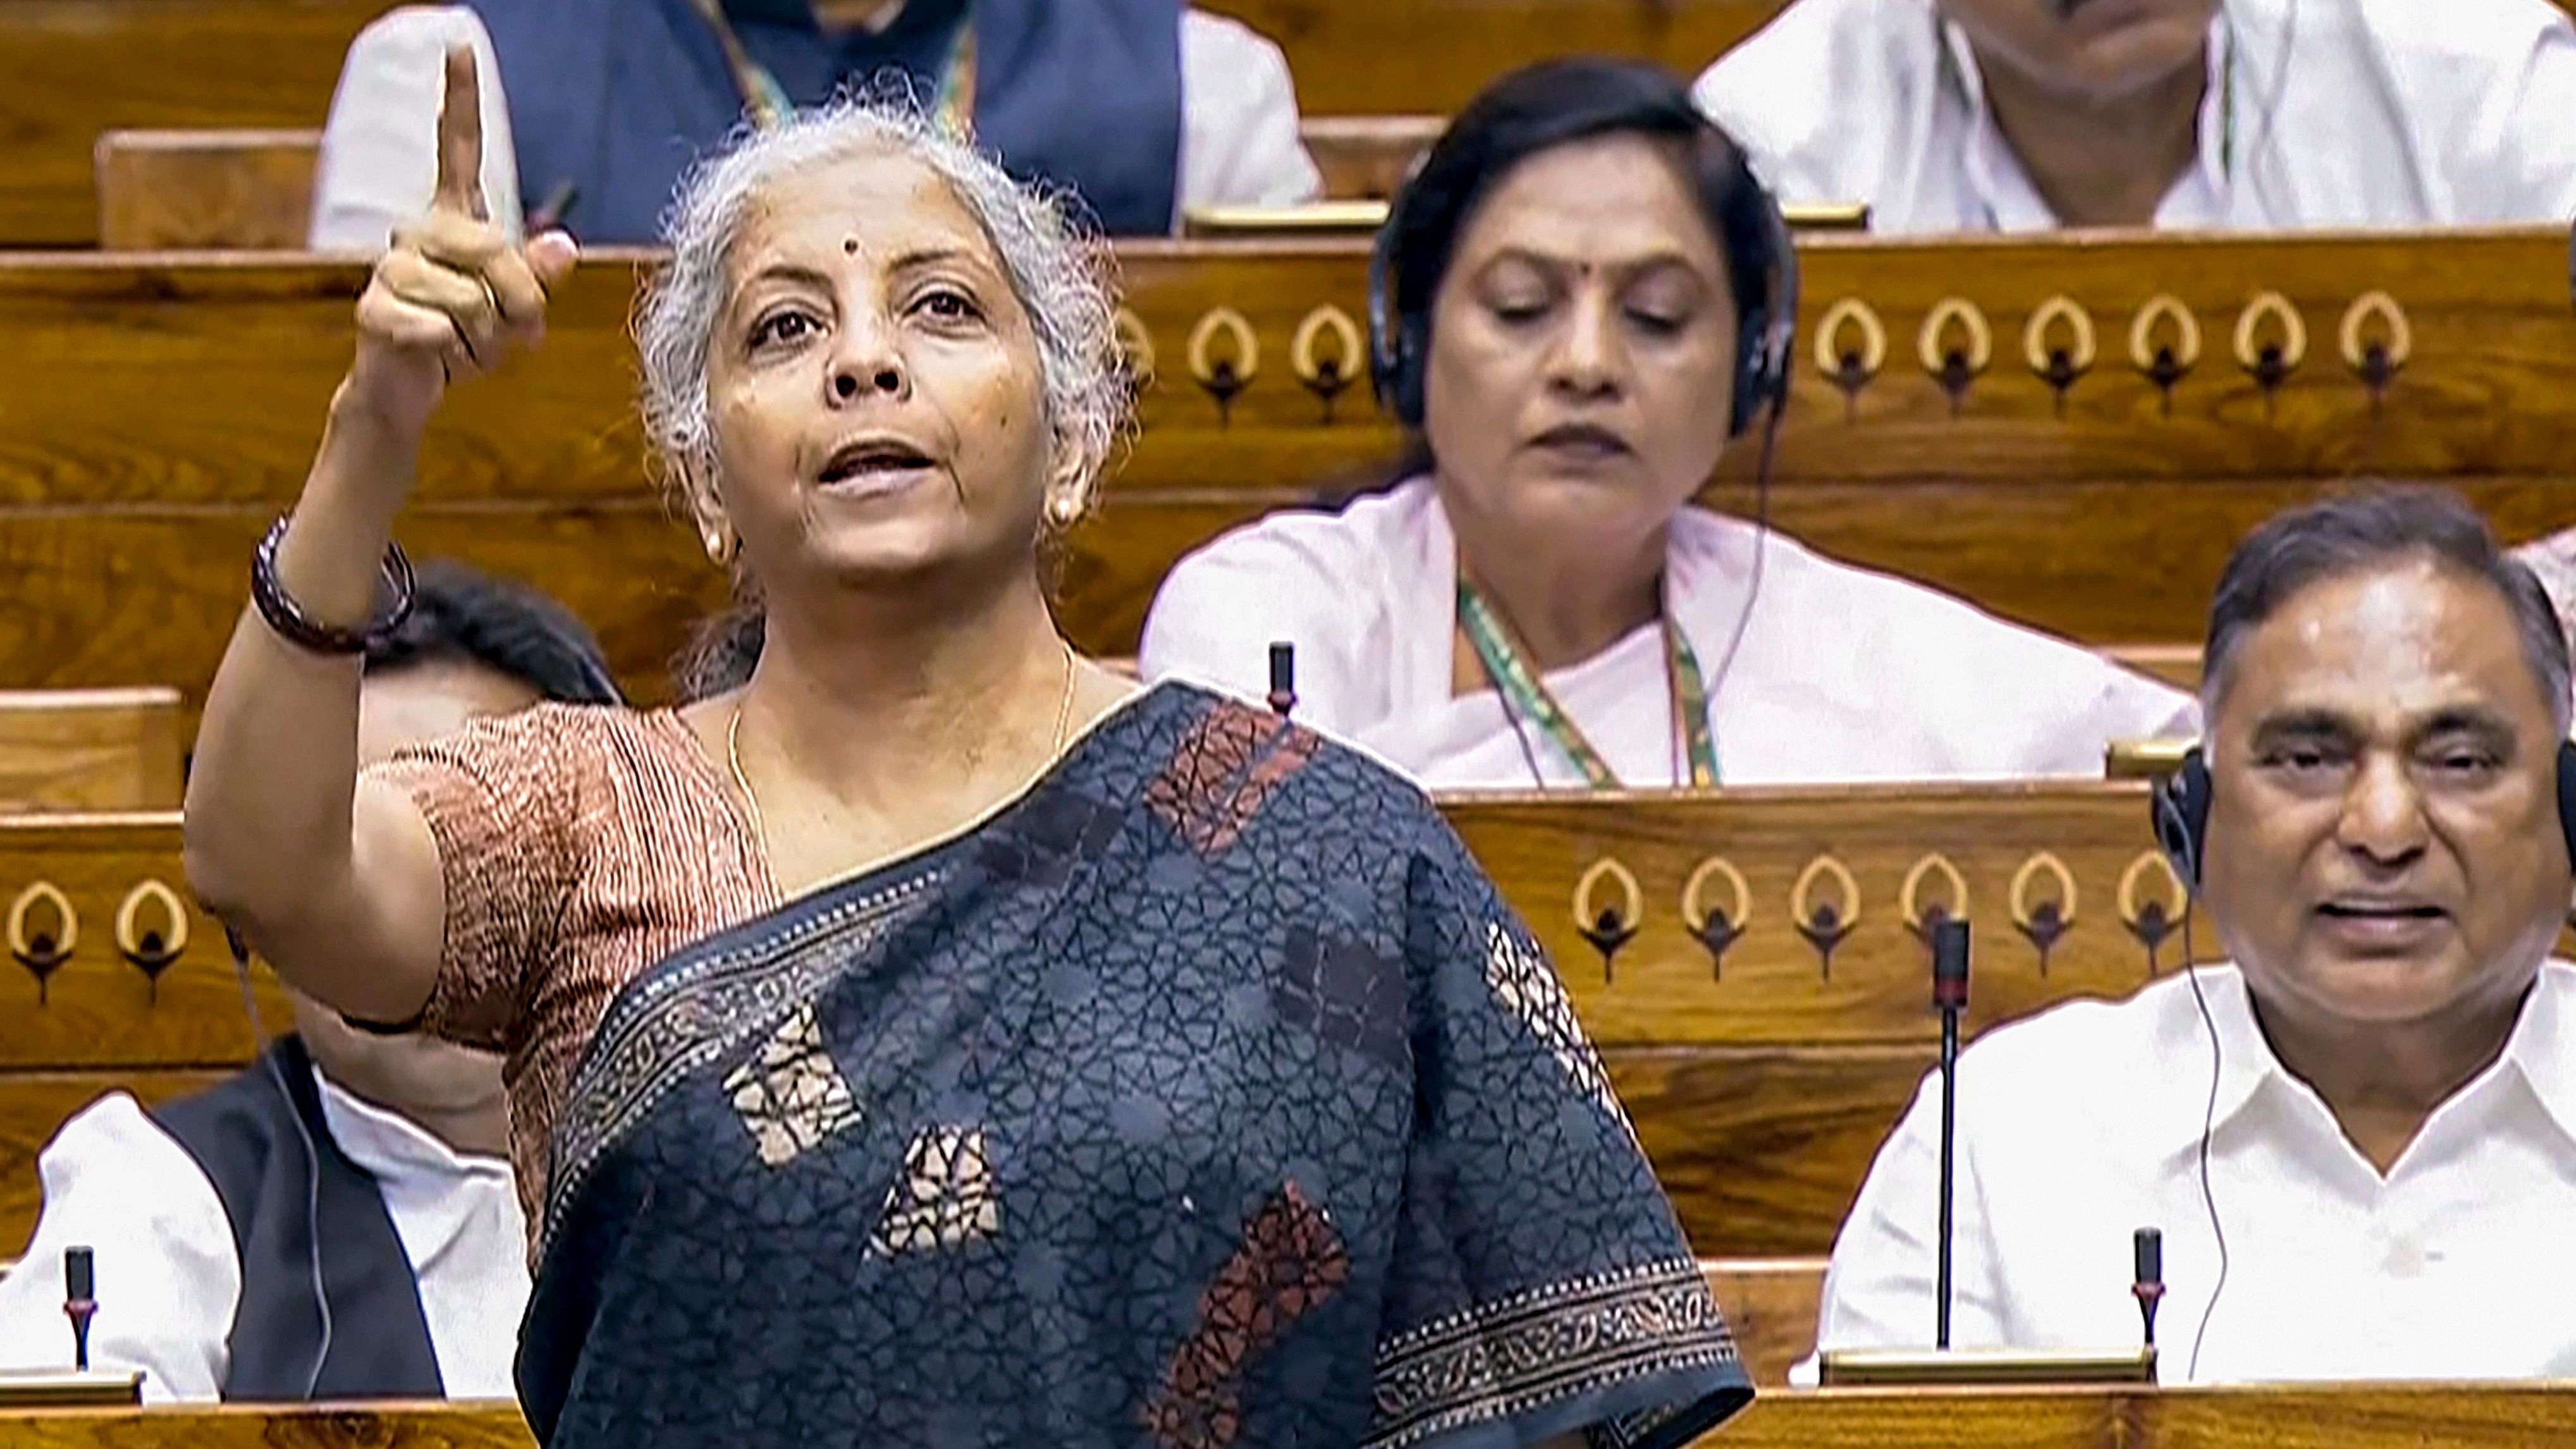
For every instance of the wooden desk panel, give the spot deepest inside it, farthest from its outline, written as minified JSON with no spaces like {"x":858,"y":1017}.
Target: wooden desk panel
{"x":164,"y":409}
{"x":34,"y":1106}
{"x":80,"y":67}
{"x":90,"y":749}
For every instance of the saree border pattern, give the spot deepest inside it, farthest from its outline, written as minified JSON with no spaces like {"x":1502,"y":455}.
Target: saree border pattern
{"x":677,"y":1020}
{"x":1501,"y":1359}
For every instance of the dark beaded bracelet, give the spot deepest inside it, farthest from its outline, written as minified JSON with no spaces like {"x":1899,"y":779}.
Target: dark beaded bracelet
{"x":288,"y":619}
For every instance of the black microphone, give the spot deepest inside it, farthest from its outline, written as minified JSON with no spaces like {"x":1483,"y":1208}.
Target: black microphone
{"x":1949,"y":997}
{"x":1283,"y":678}
{"x":2147,"y":1252}
{"x":80,"y":1300}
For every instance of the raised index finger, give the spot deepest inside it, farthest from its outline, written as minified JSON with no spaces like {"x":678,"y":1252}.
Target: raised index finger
{"x":460,"y":137}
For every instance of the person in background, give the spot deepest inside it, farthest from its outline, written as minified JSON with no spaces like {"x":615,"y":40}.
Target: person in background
{"x":936,"y":1039}
{"x":1578,"y":291}
{"x":372,"y":1171}
{"x":2026,"y":115}
{"x":593,"y":108}
{"x":2359,"y":1139}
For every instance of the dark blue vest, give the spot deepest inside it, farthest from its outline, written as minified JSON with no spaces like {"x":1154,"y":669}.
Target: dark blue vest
{"x":243,"y":1134}
{"x":616,"y":97}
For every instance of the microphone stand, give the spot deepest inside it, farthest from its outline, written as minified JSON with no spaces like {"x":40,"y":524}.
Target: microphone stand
{"x":1283,"y":679}
{"x":80,"y":1301}
{"x":1949,"y":997}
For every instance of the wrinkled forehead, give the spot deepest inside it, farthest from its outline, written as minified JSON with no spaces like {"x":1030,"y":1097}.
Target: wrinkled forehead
{"x":870,"y":207}
{"x":2386,"y":648}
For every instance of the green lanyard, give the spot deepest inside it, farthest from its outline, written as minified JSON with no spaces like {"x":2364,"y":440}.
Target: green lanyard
{"x":1525,"y":695}
{"x":953,"y":108}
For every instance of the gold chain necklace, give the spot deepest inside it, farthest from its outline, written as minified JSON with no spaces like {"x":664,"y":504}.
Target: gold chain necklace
{"x":760,"y":827}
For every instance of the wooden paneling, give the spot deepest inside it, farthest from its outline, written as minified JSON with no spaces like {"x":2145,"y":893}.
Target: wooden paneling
{"x":1771,"y":1304}
{"x":1775,"y":985}
{"x":2367,"y":1416}
{"x":1362,"y":57}
{"x":94,"y":1006}
{"x":80,"y":67}
{"x":1762,"y":1149}
{"x":161,"y":410}
{"x":205,"y":190}
{"x":90,"y":749}
{"x":253,"y":190}
{"x":1368,"y":156}
{"x":34,"y":1106}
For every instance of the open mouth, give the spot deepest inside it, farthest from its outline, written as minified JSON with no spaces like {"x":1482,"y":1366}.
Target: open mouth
{"x":1581,"y":439}
{"x":867,"y":460}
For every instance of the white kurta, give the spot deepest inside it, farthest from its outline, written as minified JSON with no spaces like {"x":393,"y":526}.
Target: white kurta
{"x":2079,"y":1126}
{"x":1239,"y":130}
{"x":1843,"y":674}
{"x":169,"y":1277}
{"x":2345,"y":113}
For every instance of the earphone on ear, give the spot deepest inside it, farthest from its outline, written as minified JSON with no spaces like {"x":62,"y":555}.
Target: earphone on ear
{"x":2181,"y":806}
{"x":1766,"y":325}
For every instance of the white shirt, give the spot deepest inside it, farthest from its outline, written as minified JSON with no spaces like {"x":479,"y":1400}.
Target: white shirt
{"x":2320,"y":113}
{"x":169,"y":1277}
{"x":1842,"y":675}
{"x":2083,"y":1124}
{"x":1239,"y":139}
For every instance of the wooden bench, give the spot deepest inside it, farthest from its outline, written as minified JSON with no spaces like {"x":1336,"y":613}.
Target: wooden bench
{"x":81,"y":67}
{"x":90,"y":749}
{"x":2358,"y":1416}
{"x":252,"y":190}
{"x":1761,"y":1086}
{"x":2102,"y":514}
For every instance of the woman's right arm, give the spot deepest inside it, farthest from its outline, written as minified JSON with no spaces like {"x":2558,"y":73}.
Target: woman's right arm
{"x":338,"y":882}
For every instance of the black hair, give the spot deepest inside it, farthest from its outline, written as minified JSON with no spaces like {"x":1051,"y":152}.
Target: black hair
{"x":462,"y":616}
{"x":1551,"y":104}
{"x":2337,"y":537}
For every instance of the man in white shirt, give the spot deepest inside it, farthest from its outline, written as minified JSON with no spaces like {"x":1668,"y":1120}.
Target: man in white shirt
{"x":2026,"y":115}
{"x":1143,"y":107}
{"x":2359,"y":1141}
{"x":339,"y":1221}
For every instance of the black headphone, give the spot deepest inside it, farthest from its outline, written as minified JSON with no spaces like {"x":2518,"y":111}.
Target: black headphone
{"x":2181,"y":806}
{"x":1766,"y":325}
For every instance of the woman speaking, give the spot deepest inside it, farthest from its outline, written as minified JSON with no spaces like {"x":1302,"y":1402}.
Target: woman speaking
{"x":934,"y":1040}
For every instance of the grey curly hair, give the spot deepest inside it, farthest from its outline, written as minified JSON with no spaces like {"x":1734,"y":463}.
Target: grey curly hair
{"x":1057,"y":267}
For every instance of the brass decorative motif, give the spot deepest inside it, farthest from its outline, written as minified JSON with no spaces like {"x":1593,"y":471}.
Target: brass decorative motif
{"x":2046,"y":921}
{"x":1608,"y":927}
{"x":2060,"y":365}
{"x":1326,"y":377}
{"x":41,"y":951}
{"x":1955,"y":367}
{"x":2271,"y":363}
{"x":152,"y":950}
{"x":1716,"y":928}
{"x":2152,"y":921}
{"x":1135,"y":347}
{"x":2164,"y":363}
{"x":1224,"y":378}
{"x":2376,"y":363}
{"x":1825,"y":924}
{"x":1921,"y":916}
{"x":1851,"y":368}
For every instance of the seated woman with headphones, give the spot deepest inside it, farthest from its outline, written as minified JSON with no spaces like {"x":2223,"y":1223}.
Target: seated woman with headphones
{"x":1579,"y":300}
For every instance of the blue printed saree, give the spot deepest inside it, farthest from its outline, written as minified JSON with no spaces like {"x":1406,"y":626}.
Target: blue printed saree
{"x":1205,"y":1095}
